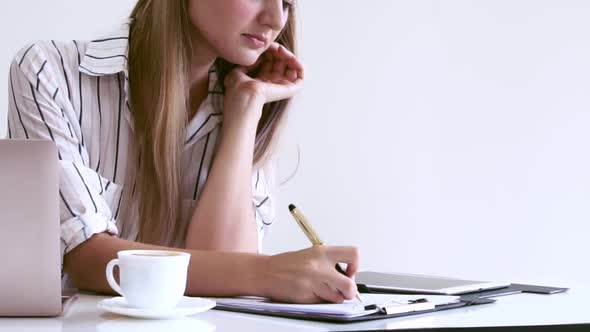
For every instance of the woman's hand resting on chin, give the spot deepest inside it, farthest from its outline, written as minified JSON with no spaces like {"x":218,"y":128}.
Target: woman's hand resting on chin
{"x":276,"y":75}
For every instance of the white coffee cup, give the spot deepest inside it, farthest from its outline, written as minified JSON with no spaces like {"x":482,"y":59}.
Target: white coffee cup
{"x":150,"y":279}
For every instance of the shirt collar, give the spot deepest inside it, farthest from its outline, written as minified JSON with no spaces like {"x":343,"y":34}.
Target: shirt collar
{"x":108,"y":55}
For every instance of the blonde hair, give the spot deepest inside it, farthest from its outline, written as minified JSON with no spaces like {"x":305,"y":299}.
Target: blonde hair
{"x":159,"y":55}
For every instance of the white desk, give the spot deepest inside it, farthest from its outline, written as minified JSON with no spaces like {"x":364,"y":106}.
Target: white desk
{"x":520,"y":309}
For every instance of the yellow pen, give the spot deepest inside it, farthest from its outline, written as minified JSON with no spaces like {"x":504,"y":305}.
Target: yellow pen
{"x":313,"y":236}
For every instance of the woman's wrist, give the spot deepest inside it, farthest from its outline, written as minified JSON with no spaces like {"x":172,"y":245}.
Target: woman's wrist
{"x":243,"y":109}
{"x":257,"y":279}
{"x":246,"y":122}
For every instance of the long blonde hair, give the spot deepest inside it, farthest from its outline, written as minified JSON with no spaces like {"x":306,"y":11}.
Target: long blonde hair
{"x":159,"y":53}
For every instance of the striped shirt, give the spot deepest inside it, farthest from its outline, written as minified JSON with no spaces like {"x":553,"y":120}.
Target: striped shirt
{"x":75,"y":94}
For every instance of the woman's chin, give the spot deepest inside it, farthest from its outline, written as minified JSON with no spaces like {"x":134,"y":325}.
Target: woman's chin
{"x":244,"y":58}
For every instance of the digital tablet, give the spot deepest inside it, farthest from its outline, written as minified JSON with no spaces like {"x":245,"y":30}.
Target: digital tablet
{"x":412,"y":283}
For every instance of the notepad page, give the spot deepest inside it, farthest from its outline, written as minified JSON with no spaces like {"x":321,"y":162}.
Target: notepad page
{"x":348,"y":308}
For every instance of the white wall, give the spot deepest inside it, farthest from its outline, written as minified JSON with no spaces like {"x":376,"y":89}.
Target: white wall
{"x":25,"y":21}
{"x":446,"y":137}
{"x":441,"y":137}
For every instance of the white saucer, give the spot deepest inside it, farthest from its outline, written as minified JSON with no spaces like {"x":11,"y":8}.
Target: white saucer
{"x":186,"y":307}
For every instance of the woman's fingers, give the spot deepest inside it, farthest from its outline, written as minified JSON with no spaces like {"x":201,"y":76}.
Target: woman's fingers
{"x":284,"y":53}
{"x":281,"y":90}
{"x":291,"y":60}
{"x":274,"y":48}
{"x":327,"y":293}
{"x":348,"y":255}
{"x":343,"y":254}
{"x":351,"y":270}
{"x":279,"y":67}
{"x":346,"y":287}
{"x":266,"y":69}
{"x":309,"y":276}
{"x":281,"y":54}
{"x":292,"y":75}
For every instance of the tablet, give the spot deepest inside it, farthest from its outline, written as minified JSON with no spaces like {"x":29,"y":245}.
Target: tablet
{"x":412,"y":283}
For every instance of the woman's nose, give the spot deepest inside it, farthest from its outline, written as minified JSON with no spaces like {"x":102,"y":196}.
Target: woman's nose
{"x":273,"y":14}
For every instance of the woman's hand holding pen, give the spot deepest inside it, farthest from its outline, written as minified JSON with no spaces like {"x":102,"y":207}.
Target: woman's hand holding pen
{"x":308,"y":276}
{"x":276,"y":75}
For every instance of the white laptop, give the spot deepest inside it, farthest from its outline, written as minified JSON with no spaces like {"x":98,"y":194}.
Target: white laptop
{"x":30,"y":258}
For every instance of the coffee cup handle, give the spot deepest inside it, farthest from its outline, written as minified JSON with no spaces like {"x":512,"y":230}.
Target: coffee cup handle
{"x":110,"y":277}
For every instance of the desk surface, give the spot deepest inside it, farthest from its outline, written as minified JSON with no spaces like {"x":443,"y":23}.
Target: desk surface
{"x":516,"y":310}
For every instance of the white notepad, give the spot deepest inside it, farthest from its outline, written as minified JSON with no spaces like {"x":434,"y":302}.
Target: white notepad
{"x":350,"y":308}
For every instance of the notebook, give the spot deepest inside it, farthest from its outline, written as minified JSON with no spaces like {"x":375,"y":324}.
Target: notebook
{"x":374,"y":305}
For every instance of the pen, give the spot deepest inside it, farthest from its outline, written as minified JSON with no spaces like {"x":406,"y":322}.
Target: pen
{"x":313,"y":236}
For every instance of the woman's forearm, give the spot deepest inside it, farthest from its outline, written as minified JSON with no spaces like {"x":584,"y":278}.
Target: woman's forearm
{"x":224,"y":216}
{"x":209,"y":273}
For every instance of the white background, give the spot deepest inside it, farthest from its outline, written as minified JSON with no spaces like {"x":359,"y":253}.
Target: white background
{"x":440,"y":137}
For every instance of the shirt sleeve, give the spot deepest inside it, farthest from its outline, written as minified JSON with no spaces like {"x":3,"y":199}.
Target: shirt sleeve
{"x":39,"y":108}
{"x":264,"y":192}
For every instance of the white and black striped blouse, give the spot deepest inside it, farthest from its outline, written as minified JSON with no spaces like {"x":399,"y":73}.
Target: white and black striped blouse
{"x":75,"y":93}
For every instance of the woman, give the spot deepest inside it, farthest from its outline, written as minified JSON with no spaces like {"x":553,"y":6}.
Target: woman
{"x":165,"y":131}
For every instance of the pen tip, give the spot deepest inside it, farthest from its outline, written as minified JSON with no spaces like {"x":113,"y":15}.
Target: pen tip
{"x":291,"y":207}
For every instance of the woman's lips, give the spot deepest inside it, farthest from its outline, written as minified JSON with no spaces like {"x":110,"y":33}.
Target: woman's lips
{"x":256,"y":41}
